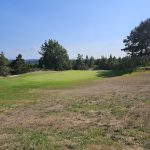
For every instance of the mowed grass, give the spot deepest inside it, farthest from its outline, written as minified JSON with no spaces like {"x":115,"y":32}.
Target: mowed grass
{"x":17,"y":89}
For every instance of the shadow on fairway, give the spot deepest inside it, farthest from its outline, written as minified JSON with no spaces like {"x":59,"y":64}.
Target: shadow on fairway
{"x":111,"y":73}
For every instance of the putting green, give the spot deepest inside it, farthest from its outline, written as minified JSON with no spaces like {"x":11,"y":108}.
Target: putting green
{"x":14,"y":89}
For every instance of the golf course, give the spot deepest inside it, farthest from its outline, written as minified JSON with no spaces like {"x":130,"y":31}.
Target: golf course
{"x":74,"y":75}
{"x":50,"y":110}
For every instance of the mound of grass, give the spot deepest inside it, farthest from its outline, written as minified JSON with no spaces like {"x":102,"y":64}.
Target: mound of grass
{"x":14,"y":89}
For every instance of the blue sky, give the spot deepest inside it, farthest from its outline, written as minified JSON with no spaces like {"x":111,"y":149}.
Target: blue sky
{"x":93,"y":27}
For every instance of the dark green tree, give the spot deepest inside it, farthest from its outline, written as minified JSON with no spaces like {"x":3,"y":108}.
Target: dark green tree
{"x":18,"y":65}
{"x":87,"y":62}
{"x":79,"y":63}
{"x":54,"y":56}
{"x":102,"y":63}
{"x":115,"y":62}
{"x":92,"y":62}
{"x":4,"y":69}
{"x":110,"y":62}
{"x":138,"y":42}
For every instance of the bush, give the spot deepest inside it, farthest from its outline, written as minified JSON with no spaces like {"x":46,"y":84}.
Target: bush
{"x":4,"y":71}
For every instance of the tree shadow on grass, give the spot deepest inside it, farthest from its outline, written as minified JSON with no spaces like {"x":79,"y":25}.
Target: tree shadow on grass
{"x":110,"y":73}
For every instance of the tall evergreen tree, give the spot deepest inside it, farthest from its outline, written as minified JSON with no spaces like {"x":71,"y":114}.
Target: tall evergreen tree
{"x":102,"y":63}
{"x":18,"y":65}
{"x":79,"y":64}
{"x":87,"y":62}
{"x":4,"y":69}
{"x":110,"y":62}
{"x":92,"y":62}
{"x":138,"y":42}
{"x":54,"y":56}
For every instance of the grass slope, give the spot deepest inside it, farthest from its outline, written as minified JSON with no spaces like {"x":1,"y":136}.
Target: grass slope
{"x":14,"y":89}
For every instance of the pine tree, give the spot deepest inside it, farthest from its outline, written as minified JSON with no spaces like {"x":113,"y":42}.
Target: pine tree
{"x":92,"y":62}
{"x":18,"y":65}
{"x":87,"y":62}
{"x":4,"y":69}
{"x":79,"y":64}
{"x":138,"y":42}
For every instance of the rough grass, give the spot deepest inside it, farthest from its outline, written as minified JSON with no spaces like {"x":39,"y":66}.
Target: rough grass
{"x":112,"y":113}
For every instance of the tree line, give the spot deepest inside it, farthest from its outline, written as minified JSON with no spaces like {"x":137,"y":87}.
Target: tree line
{"x":55,"y":57}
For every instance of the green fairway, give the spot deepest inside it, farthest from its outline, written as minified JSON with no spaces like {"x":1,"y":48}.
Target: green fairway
{"x":17,"y":88}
